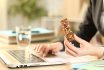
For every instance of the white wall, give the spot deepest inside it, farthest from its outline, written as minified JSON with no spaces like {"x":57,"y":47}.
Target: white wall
{"x":54,"y":7}
{"x":72,"y":8}
{"x":4,"y":19}
{"x":3,"y":14}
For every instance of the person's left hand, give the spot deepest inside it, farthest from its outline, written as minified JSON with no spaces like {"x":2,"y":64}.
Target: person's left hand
{"x":45,"y":49}
{"x":85,"y":48}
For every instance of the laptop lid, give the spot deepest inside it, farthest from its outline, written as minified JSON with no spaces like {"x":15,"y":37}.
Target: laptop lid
{"x":18,"y":59}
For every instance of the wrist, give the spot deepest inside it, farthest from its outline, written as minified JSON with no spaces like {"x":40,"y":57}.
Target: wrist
{"x":102,"y":53}
{"x":57,"y":45}
{"x":60,"y":45}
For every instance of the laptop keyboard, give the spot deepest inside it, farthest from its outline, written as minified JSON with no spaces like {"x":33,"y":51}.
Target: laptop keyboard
{"x":21,"y":56}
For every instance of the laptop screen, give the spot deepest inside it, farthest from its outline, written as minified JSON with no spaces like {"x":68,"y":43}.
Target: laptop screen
{"x":20,"y":56}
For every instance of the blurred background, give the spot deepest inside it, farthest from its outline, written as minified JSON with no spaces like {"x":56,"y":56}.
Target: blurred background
{"x":42,"y":13}
{"x":33,"y":12}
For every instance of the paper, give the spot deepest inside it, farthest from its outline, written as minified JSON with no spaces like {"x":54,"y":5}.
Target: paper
{"x":65,"y":57}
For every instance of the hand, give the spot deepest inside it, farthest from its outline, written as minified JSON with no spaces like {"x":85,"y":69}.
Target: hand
{"x":44,"y":49}
{"x":85,"y":48}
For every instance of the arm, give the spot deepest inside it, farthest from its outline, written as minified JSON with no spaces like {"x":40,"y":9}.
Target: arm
{"x":87,"y":29}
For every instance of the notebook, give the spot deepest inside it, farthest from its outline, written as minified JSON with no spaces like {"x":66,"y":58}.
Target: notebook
{"x":37,"y":34}
{"x":18,"y":59}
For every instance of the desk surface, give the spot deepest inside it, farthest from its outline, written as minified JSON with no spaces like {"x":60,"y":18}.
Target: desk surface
{"x":56,"y":67}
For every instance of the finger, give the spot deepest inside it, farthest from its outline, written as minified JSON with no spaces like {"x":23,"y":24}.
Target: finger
{"x":81,"y":41}
{"x":41,"y":52}
{"x":36,"y":47}
{"x":70,"y":46}
{"x":46,"y":50}
{"x":82,"y":46}
{"x":40,"y":48}
{"x":70,"y":52}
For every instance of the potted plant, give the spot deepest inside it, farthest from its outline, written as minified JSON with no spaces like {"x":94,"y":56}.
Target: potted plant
{"x":29,"y":9}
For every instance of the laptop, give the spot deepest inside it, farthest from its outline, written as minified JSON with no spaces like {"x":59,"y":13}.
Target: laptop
{"x":18,"y":59}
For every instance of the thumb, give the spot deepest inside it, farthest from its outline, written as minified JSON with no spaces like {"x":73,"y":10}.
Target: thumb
{"x":79,"y":40}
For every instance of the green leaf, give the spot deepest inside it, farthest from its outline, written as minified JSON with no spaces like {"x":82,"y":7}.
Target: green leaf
{"x":28,"y":8}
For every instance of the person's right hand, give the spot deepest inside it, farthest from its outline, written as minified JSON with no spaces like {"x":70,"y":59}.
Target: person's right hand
{"x":44,"y":49}
{"x":85,"y":48}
